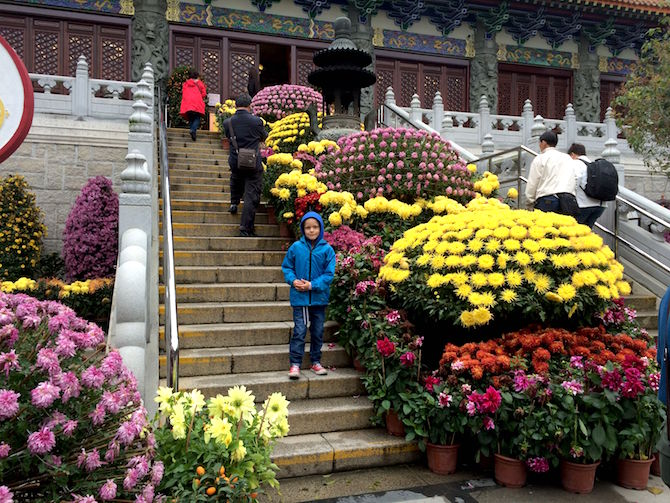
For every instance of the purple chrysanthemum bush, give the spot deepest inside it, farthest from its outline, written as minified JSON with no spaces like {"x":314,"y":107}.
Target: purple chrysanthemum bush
{"x":275,"y":102}
{"x":72,"y":427}
{"x":91,"y":232}
{"x":403,"y":164}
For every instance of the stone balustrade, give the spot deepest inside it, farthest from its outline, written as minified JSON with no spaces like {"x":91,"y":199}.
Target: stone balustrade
{"x":81,"y":96}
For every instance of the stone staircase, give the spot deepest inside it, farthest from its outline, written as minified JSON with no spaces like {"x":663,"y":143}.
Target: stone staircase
{"x":235,"y":323}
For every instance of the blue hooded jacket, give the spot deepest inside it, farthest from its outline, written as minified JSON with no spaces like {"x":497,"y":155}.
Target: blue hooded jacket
{"x":313,"y":261}
{"x":663,"y":343}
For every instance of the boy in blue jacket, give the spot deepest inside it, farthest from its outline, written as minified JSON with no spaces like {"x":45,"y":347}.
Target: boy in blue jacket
{"x":309,"y":266}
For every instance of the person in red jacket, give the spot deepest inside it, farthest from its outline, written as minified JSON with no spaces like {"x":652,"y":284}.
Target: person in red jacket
{"x":193,"y":93}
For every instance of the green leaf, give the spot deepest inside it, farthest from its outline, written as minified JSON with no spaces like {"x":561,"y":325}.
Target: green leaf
{"x":598,"y":435}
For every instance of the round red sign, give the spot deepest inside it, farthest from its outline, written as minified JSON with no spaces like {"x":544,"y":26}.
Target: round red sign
{"x":17,"y":102}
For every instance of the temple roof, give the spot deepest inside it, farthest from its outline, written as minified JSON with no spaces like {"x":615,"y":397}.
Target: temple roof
{"x":660,"y":6}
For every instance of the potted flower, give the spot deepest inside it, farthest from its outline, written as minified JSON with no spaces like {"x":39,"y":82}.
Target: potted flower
{"x":218,"y":448}
{"x":224,"y":111}
{"x":639,"y":426}
{"x":446,"y":423}
{"x":587,"y":423}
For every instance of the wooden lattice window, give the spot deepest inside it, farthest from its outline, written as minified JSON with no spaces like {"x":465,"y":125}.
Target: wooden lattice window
{"x":609,"y":88}
{"x":549,"y":90}
{"x":455,"y":97}
{"x":384,"y":71}
{"x":47,"y":48}
{"x":431,"y":84}
{"x":504,"y":97}
{"x":304,"y":66}
{"x":211,"y":68}
{"x":242,"y":58}
{"x":80,"y":43}
{"x":15,"y":37}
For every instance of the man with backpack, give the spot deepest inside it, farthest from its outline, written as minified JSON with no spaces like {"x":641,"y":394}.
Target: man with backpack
{"x":597,"y":182}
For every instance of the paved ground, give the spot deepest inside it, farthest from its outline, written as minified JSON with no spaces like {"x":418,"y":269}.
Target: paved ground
{"x":416,"y":484}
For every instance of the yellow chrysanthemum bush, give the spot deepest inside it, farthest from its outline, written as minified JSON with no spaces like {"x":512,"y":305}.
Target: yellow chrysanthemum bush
{"x":287,"y":134}
{"x":294,"y":194}
{"x":219,"y":447}
{"x":223,"y":111}
{"x":493,"y":264}
{"x":21,"y":228}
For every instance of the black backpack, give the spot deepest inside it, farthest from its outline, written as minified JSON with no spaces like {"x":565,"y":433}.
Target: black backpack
{"x":602,"y":180}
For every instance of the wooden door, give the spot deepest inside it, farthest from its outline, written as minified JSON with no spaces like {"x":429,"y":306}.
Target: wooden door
{"x":609,"y":89}
{"x":548,"y":90}
{"x":241,"y":57}
{"x":205,"y":54}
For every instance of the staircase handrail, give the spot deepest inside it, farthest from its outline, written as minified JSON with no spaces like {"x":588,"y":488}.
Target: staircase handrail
{"x":170,"y":296}
{"x":417,"y":124}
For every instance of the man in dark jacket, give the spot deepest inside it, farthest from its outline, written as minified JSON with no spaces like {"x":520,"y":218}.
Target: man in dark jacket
{"x":249,"y":132}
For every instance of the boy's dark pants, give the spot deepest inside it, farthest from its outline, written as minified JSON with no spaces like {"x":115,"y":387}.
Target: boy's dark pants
{"x":317,"y":316}
{"x":247,"y":185}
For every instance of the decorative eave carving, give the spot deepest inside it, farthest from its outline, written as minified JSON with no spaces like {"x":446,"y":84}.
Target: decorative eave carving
{"x":367,"y":8}
{"x":313,"y":7}
{"x":495,"y":19}
{"x":626,"y":37}
{"x":558,"y":30}
{"x":261,"y":5}
{"x":405,"y":12}
{"x":596,"y":34}
{"x":448,"y":16}
{"x":524,"y":26}
{"x":127,"y":7}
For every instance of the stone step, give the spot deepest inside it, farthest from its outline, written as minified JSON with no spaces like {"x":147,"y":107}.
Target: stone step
{"x":648,"y":319}
{"x":241,"y":334}
{"x":204,"y":148}
{"x":229,"y":243}
{"x":195,"y":194}
{"x":299,"y":455}
{"x":197,"y":157}
{"x":195,"y":181}
{"x":219,"y":230}
{"x":204,"y":205}
{"x":228,"y":292}
{"x":641,"y":302}
{"x":230,"y":312}
{"x":247,"y":359}
{"x":204,"y":171}
{"x":250,"y":275}
{"x":215,"y":185}
{"x":228,"y":258}
{"x":212,"y":217}
{"x":319,"y":415}
{"x":340,"y":382}
{"x":186,"y":142}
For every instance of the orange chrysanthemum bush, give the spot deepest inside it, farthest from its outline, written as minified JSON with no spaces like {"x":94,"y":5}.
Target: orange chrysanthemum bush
{"x":497,"y":267}
{"x":536,"y":349}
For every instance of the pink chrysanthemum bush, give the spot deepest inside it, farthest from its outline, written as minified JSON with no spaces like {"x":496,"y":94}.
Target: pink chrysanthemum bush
{"x":72,"y":427}
{"x":403,"y":164}
{"x":275,"y":102}
{"x":91,"y":232}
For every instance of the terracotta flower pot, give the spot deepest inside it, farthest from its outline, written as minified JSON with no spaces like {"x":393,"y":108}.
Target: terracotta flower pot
{"x":225,"y":143}
{"x":394,"y":425}
{"x":285,"y":231}
{"x":578,"y":478}
{"x":442,"y":459}
{"x":633,"y":473}
{"x":509,"y":472}
{"x":656,"y":465}
{"x":272,"y":217}
{"x":358,"y":365}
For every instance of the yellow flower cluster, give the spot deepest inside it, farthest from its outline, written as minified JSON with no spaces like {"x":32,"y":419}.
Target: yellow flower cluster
{"x":20,"y":285}
{"x":442,"y":205}
{"x":317,"y":147}
{"x":89,"y":286}
{"x":284,"y":160}
{"x":285,"y":132}
{"x":487,"y":258}
{"x":382,"y":205}
{"x":487,"y":184}
{"x":226,"y":108}
{"x":303,"y":183}
{"x":344,"y":205}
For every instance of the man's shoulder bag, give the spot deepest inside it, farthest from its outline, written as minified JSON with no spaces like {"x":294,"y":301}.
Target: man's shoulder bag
{"x":246,"y":157}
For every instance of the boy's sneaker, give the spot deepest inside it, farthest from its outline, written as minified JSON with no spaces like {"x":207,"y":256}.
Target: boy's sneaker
{"x":294,"y":372}
{"x":318,"y":369}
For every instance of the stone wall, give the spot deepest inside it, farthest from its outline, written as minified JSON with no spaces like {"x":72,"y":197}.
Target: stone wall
{"x":652,"y":187}
{"x":57,"y":158}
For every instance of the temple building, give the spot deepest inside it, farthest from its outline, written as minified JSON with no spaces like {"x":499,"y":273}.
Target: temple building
{"x":553,"y":52}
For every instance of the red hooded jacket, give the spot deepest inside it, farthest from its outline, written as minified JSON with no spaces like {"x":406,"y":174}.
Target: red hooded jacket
{"x":193,"y":93}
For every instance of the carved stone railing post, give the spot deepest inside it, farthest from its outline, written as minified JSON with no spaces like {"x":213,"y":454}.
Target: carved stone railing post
{"x":613,"y":155}
{"x":389,"y":99}
{"x":140,"y":136}
{"x":570,"y":124}
{"x":438,"y":111}
{"x":527,"y":121}
{"x":484,"y":119}
{"x":81,"y":95}
{"x":447,"y":124}
{"x":487,"y":145}
{"x":611,"y":130}
{"x":537,"y":129}
{"x":415,"y":109}
{"x":148,"y":77}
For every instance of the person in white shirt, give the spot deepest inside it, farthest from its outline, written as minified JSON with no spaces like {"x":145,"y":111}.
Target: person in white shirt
{"x":589,"y":209}
{"x":551,"y":178}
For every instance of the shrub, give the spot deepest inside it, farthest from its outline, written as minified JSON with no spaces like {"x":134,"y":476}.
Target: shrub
{"x":506,"y":265}
{"x":21,"y":229}
{"x":71,"y":420}
{"x":276,"y":102}
{"x":220,"y":448}
{"x":177,"y":78}
{"x":403,"y":164}
{"x":224,"y":111}
{"x":90,"y":239}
